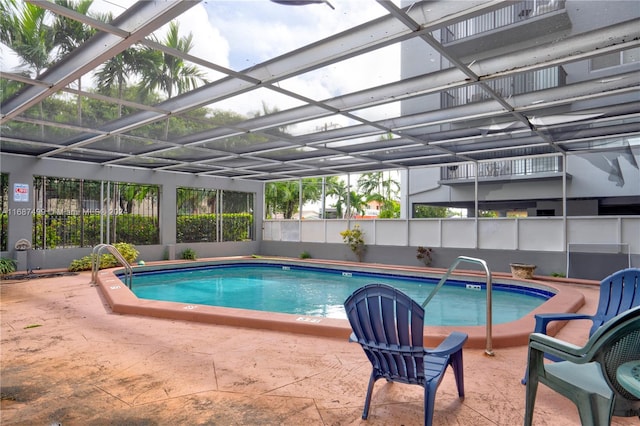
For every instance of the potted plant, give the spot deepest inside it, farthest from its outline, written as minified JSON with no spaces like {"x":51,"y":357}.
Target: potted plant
{"x":354,"y":238}
{"x":424,"y":255}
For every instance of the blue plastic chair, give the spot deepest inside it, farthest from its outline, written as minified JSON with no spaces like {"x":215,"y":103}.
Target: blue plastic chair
{"x":389,"y":326}
{"x":619,"y":292}
{"x":588,"y":375}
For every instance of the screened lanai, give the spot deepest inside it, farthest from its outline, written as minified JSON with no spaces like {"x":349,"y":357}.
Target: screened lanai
{"x":231,"y":95}
{"x":275,"y":114}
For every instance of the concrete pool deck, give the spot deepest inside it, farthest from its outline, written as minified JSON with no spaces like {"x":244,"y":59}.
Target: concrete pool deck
{"x":67,"y":358}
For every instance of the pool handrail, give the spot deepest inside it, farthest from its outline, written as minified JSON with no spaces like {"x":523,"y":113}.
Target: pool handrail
{"x":114,"y":251}
{"x":489,"y":345}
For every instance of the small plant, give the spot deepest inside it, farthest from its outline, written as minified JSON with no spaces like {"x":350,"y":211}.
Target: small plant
{"x":424,"y":255}
{"x":7,"y":266}
{"x":354,"y":238}
{"x":558,"y":275}
{"x":305,"y":255}
{"x":128,"y":251}
{"x":189,"y":254}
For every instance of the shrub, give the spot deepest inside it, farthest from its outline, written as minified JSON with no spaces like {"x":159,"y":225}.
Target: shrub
{"x":305,"y":255}
{"x":7,"y":266}
{"x":189,"y":254}
{"x":128,"y":251}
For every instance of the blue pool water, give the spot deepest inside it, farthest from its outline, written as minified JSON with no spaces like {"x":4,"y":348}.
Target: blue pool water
{"x":321,"y":292}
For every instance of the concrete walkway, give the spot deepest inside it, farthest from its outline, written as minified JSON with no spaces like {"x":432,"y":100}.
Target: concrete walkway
{"x":67,"y":359}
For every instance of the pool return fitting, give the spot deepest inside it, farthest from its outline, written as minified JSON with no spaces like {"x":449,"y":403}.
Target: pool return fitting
{"x":489,"y":346}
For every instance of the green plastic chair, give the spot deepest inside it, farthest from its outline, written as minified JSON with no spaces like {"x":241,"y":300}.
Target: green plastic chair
{"x":587,"y":376}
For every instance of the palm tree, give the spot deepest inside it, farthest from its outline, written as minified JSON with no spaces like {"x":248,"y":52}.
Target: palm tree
{"x":69,"y":34}
{"x":117,"y":71}
{"x":380,"y":189}
{"x":284,"y":197}
{"x":357,"y":204}
{"x":24,"y":30}
{"x":170,"y":73}
{"x":371,"y":183}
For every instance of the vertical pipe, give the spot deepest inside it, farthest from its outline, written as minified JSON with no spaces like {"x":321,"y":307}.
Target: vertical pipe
{"x":300,"y":209}
{"x":475,"y":200}
{"x":102,"y":204}
{"x":108,"y":211}
{"x":565,"y":234}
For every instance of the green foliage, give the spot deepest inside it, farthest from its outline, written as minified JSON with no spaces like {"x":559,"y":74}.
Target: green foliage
{"x":305,"y":255}
{"x":203,"y":227}
{"x":4,"y":223}
{"x":7,"y":266}
{"x":390,"y":210}
{"x":558,"y":275}
{"x":284,"y":197}
{"x":75,"y":230}
{"x":127,"y":251}
{"x":421,"y":211}
{"x":424,"y":255}
{"x":487,"y":213}
{"x":354,"y":238}
{"x":189,"y":254}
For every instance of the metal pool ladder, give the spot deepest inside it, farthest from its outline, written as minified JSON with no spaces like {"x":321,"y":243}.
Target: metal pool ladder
{"x":114,"y":251}
{"x":489,"y":346}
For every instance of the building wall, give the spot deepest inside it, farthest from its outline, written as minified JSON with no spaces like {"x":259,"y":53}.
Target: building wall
{"x":22,"y":170}
{"x":612,"y":175}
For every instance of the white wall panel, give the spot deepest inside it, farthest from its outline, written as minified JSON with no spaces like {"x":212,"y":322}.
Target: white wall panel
{"x":459,"y":233}
{"x":600,"y":230}
{"x":497,"y":234}
{"x":545,"y":234}
{"x":391,"y":232}
{"x":425,"y":232}
{"x":312,"y":231}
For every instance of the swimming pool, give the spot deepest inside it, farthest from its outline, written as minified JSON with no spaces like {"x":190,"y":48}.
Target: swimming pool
{"x":123,"y":301}
{"x":321,"y":292}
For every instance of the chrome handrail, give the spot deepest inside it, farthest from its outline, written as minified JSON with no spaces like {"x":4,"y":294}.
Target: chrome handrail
{"x":114,"y":251}
{"x":489,"y":346}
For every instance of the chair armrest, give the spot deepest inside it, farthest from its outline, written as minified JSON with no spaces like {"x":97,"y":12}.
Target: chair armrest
{"x":559,"y":348}
{"x":543,"y":320}
{"x":451,"y":344}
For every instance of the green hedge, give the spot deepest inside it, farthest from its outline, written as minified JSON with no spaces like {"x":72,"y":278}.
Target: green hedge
{"x":204,"y":227}
{"x":84,"y":231}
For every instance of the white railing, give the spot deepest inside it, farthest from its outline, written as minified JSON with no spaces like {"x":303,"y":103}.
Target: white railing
{"x":532,"y":233}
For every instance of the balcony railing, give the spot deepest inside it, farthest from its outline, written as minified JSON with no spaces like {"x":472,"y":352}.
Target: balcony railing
{"x":506,"y":86}
{"x":504,"y":168}
{"x":514,"y":13}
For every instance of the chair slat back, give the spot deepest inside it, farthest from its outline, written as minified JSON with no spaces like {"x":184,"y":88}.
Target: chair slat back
{"x":389,"y":325}
{"x":619,"y":292}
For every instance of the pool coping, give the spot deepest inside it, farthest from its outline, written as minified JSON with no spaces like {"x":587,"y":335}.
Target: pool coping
{"x":516,"y":333}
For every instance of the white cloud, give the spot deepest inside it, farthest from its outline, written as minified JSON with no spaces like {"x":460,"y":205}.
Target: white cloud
{"x":257,"y":31}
